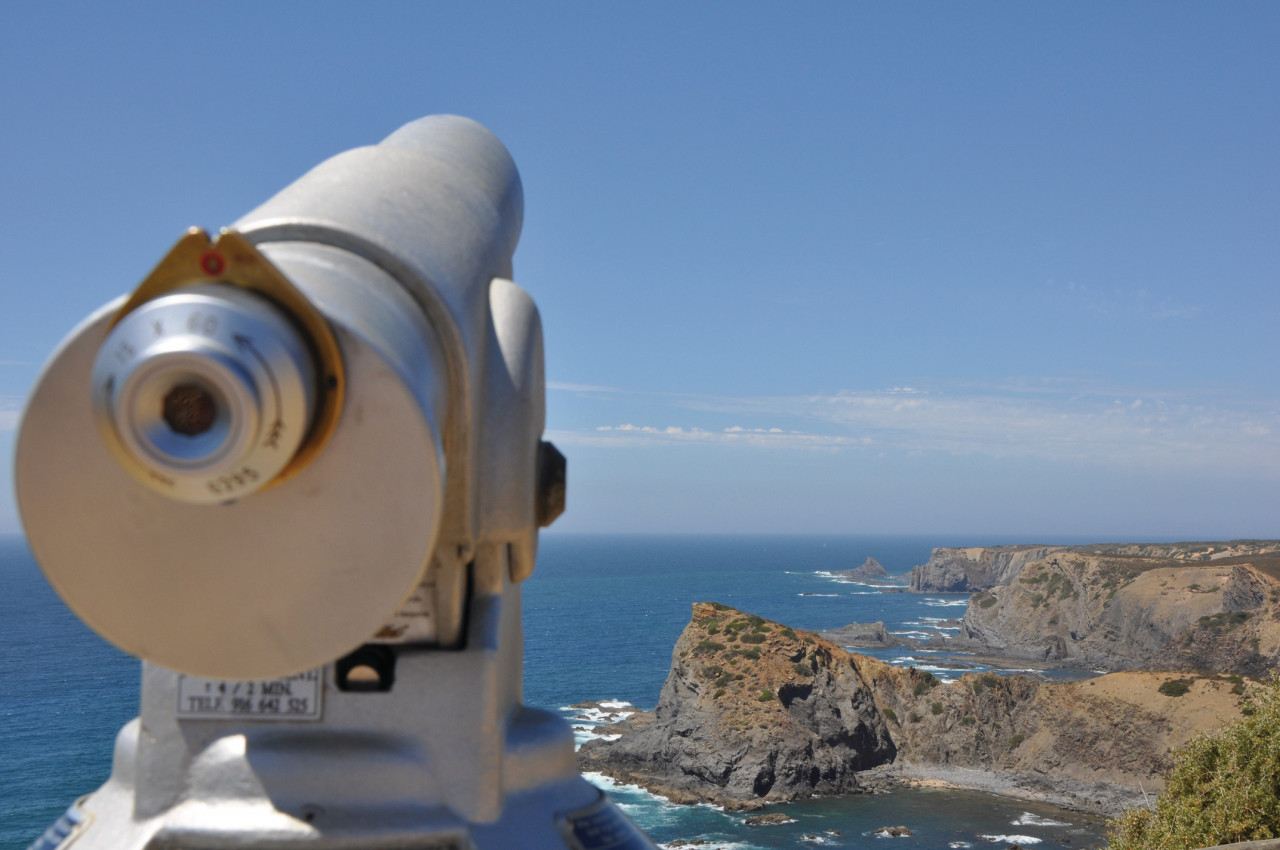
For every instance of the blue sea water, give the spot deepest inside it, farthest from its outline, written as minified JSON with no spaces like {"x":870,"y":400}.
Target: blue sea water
{"x":601,"y":614}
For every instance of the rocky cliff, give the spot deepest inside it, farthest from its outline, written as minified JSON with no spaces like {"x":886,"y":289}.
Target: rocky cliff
{"x":974,"y":568}
{"x":753,"y":711}
{"x":983,"y":567}
{"x":1126,"y":612}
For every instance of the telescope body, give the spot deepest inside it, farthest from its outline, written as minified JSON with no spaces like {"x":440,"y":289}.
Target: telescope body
{"x":299,"y":472}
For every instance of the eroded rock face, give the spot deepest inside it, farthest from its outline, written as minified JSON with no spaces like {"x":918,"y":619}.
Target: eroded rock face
{"x":771,"y":714}
{"x":974,"y":568}
{"x":1129,"y":612}
{"x":751,"y":711}
{"x":983,"y":567}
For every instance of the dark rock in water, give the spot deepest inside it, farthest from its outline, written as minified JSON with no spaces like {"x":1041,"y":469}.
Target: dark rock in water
{"x":751,"y":712}
{"x":766,"y":820}
{"x":867,"y":635}
{"x":892,"y":831}
{"x":871,"y":572}
{"x":871,"y":568}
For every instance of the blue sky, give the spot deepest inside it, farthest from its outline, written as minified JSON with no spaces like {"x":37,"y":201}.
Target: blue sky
{"x":1004,"y":268}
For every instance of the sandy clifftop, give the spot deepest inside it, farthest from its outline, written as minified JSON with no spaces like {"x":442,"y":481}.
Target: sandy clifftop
{"x":981,"y":567}
{"x":753,"y":711}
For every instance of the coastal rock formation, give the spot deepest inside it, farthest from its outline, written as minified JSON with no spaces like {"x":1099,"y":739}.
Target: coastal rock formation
{"x":871,"y":568}
{"x":751,"y":712}
{"x":867,"y":635}
{"x":1126,"y":612}
{"x":983,"y":567}
{"x":974,"y":568}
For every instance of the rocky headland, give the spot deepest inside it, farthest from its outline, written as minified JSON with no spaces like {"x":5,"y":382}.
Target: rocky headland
{"x":755,"y":712}
{"x":975,"y":568}
{"x":1180,"y":607}
{"x":751,"y":712}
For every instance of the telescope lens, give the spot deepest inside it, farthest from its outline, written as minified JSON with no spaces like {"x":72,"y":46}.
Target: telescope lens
{"x":189,"y":410}
{"x":208,"y":391}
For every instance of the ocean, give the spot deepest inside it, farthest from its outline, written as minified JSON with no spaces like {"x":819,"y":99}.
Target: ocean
{"x":601,"y":614}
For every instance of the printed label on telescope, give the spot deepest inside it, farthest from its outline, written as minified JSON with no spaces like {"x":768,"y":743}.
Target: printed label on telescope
{"x":291,"y":698}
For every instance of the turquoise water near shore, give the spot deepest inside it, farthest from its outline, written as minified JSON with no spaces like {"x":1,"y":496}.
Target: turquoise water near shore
{"x":601,"y":614}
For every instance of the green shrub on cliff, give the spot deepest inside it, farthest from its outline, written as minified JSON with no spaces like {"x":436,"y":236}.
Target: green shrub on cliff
{"x":706,"y":647}
{"x":1224,"y":788}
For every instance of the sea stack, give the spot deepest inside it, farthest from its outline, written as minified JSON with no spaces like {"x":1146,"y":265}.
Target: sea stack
{"x":751,"y":712}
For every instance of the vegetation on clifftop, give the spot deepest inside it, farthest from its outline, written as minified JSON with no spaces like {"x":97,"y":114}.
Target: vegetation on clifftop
{"x":1224,"y":788}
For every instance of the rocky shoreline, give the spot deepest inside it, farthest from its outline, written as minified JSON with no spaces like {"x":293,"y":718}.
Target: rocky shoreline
{"x":754,"y":712}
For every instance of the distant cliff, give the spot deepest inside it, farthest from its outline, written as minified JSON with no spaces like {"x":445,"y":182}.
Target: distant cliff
{"x":1125,"y":612}
{"x":753,"y":711}
{"x":974,"y":568}
{"x":983,"y":567}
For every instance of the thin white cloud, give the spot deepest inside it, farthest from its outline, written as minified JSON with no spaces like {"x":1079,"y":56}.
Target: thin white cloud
{"x":1058,"y":421}
{"x":9,"y":407}
{"x":1127,"y":302}
{"x":621,"y":436}
{"x":561,"y":386}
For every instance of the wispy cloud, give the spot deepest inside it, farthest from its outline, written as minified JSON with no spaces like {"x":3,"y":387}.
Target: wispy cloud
{"x":1060,"y":421}
{"x":9,"y":407}
{"x":1127,"y":302}
{"x":561,"y":386}
{"x":735,"y":435}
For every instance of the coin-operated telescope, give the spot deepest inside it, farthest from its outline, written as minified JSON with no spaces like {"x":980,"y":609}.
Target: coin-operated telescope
{"x":299,"y":473}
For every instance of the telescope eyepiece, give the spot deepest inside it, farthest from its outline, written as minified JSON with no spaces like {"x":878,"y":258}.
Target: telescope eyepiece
{"x":190,"y":409}
{"x":204,"y":393}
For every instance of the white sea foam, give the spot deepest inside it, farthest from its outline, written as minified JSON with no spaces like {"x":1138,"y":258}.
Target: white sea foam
{"x":945,"y":603}
{"x":959,"y":845}
{"x":1011,"y":839}
{"x":596,"y":715}
{"x":1029,"y":819}
{"x":817,"y":594}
